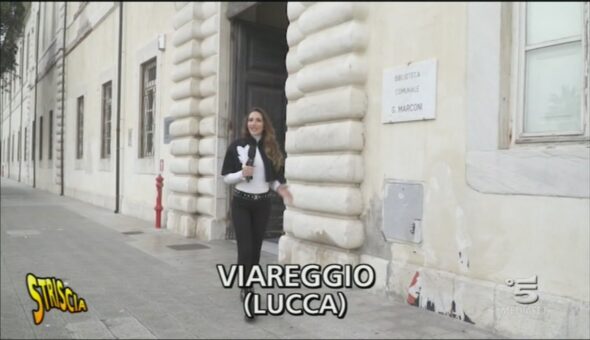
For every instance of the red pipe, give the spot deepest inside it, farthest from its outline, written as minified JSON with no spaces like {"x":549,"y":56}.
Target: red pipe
{"x":158,"y":208}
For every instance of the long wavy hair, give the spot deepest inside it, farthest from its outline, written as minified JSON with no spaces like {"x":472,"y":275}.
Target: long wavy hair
{"x":269,"y":139}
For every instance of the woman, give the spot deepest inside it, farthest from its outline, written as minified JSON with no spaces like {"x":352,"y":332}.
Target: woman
{"x":255,"y":164}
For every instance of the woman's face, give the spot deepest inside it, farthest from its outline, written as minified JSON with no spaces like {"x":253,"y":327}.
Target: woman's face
{"x":255,"y":123}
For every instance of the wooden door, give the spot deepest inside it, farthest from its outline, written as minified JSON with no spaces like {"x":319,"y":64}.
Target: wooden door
{"x":260,"y":73}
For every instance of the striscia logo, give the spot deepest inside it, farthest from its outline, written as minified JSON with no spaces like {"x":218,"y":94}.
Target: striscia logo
{"x":48,"y":293}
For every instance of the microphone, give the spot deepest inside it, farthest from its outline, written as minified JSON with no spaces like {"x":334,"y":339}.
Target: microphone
{"x":250,"y":162}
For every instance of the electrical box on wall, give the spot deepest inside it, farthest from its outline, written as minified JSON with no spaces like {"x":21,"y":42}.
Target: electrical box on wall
{"x":402,"y":211}
{"x":161,"y":41}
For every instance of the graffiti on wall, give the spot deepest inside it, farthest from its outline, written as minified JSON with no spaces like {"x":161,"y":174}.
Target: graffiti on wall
{"x":416,"y":299}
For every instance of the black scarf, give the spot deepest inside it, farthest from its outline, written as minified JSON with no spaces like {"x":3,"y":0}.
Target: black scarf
{"x":231,"y":162}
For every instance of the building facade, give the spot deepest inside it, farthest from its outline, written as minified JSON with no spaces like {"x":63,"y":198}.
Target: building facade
{"x":447,"y":145}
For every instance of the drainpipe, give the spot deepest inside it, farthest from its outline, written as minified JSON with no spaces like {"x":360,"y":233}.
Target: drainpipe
{"x":21,"y":139}
{"x":2,"y":124}
{"x":34,"y":139}
{"x":63,"y":103}
{"x":117,"y":157}
{"x":11,"y":151}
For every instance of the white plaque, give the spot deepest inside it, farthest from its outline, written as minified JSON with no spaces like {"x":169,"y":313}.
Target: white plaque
{"x":409,"y":92}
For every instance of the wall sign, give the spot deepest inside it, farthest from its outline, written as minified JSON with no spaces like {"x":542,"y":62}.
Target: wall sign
{"x":167,"y":122}
{"x":409,"y":92}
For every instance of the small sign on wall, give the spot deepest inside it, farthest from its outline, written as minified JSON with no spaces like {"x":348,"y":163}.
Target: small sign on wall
{"x":409,"y":92}
{"x":167,"y":122}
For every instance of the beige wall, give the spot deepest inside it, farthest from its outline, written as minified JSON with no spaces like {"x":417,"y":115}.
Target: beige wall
{"x":503,"y":236}
{"x":143,"y":23}
{"x":88,"y":68}
{"x":46,"y":92}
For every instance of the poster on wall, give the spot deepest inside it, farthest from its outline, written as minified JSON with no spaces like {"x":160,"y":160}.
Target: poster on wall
{"x":409,"y":92}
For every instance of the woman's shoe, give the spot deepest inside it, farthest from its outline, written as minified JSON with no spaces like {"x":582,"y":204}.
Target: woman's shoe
{"x":243,"y":294}
{"x":251,"y":309}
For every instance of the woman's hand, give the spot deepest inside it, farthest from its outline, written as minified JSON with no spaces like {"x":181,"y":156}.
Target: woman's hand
{"x":284,"y":192}
{"x":247,"y":171}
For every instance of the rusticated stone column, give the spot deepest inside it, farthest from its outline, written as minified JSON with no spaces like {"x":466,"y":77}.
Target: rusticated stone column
{"x":326,"y":104}
{"x":192,"y":203}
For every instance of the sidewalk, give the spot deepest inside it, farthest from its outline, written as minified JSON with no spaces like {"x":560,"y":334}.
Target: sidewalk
{"x":136,"y":286}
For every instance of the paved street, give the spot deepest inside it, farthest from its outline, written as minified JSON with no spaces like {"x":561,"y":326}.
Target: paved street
{"x":136,"y":286}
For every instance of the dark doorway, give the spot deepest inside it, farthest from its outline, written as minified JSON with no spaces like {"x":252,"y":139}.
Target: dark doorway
{"x":258,"y":52}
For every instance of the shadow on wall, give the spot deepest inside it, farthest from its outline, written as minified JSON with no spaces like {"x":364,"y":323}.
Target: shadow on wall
{"x":375,"y":243}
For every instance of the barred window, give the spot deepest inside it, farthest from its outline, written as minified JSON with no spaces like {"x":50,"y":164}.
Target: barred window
{"x":33,"y":140}
{"x":22,"y":61}
{"x":80,"y":129}
{"x":105,"y":150}
{"x":28,"y":51}
{"x":41,"y":138}
{"x":50,"y":144}
{"x":19,"y":145}
{"x":148,"y":95}
{"x":26,"y":143}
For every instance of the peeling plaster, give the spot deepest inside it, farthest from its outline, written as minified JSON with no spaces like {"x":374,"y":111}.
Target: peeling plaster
{"x":463,"y":262}
{"x":420,"y":296}
{"x":463,"y":240}
{"x":442,"y":190}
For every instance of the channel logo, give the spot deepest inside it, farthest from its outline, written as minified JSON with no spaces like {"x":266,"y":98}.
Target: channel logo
{"x":50,"y":292}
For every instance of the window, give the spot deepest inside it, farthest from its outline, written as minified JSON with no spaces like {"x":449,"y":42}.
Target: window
{"x":41,"y":138}
{"x":22,"y":60}
{"x":107,"y":90}
{"x":80,"y":129}
{"x":43,"y":25}
{"x":494,"y":161}
{"x":33,"y":140}
{"x":19,"y":145}
{"x":54,"y":20}
{"x":550,"y":65}
{"x":27,"y":55}
{"x":50,"y":150}
{"x":26,"y":141}
{"x":148,"y":95}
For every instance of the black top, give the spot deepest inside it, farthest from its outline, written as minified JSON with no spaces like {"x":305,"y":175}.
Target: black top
{"x":231,"y":162}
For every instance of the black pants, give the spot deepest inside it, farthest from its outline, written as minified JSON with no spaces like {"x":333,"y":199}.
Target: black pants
{"x":250,"y":218}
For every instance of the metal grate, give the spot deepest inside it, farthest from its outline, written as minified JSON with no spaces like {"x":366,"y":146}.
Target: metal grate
{"x":23,"y":233}
{"x":132,"y":232}
{"x":191,"y":246}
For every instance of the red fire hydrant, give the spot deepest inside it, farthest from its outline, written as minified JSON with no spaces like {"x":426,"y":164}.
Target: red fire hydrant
{"x":158,"y":208}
